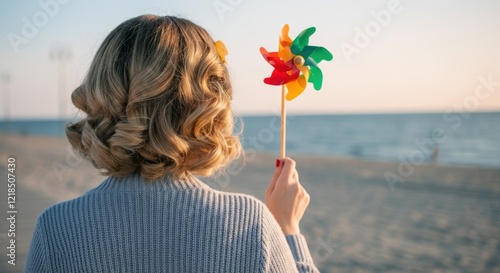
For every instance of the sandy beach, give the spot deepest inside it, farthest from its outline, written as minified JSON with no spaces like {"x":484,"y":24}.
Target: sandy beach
{"x":439,"y":219}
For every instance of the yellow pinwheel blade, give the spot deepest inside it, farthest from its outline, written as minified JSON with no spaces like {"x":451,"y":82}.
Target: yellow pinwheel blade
{"x":284,"y":52}
{"x":305,"y":71}
{"x":295,"y":88}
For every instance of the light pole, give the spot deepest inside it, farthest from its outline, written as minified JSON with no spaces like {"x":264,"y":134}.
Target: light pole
{"x":61,"y":55}
{"x":5,"y":79}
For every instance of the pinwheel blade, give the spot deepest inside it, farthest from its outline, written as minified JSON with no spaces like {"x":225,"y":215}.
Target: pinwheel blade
{"x":302,"y":40}
{"x":285,"y":40}
{"x":295,"y":88}
{"x":305,"y":72}
{"x":286,"y":54}
{"x":273,"y":59}
{"x":316,"y":76}
{"x":316,"y":54}
{"x":284,"y":45}
{"x":281,"y":77}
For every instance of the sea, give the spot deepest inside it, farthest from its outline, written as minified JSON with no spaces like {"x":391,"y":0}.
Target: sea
{"x":453,"y":139}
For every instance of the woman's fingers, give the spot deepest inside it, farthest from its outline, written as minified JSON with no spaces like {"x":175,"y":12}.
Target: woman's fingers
{"x":287,"y":174}
{"x":295,"y":175}
{"x":277,"y":172}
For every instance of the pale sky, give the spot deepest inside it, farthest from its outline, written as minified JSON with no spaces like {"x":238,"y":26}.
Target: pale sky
{"x":389,"y":55}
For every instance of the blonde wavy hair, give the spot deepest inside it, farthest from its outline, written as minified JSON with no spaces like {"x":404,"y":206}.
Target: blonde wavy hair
{"x":157,"y":101}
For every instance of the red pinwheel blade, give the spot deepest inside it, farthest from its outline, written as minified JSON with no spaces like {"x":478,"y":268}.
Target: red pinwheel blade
{"x":273,"y":59}
{"x":283,"y":71}
{"x":280,"y":77}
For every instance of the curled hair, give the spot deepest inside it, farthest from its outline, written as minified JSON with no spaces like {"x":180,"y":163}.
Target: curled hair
{"x":157,"y":101}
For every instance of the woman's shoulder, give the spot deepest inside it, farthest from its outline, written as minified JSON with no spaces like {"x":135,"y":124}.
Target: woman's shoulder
{"x":202,"y":201}
{"x":241,"y":201}
{"x":62,"y":207}
{"x":235,"y":195}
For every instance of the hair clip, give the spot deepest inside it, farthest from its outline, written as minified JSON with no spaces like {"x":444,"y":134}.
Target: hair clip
{"x":221,"y":50}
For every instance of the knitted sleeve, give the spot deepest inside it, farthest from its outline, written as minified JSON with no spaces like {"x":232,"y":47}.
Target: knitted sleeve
{"x":36,"y":259}
{"x":301,"y":254}
{"x":284,"y":253}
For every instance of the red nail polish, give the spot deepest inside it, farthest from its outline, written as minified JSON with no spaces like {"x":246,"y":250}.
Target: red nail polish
{"x":277,"y":163}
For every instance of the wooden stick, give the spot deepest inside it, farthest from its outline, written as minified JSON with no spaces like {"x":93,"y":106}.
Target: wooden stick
{"x":283,"y":123}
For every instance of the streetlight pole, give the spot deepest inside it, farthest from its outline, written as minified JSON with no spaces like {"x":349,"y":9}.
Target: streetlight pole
{"x":5,"y":78}
{"x":61,"y":55}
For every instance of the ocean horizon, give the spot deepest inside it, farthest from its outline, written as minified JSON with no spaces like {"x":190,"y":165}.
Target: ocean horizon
{"x":453,"y":139}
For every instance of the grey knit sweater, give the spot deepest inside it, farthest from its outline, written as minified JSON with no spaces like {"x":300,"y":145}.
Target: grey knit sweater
{"x":127,"y":225}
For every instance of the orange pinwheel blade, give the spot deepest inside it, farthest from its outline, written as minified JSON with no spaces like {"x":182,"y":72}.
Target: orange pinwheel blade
{"x":295,"y":88}
{"x":285,"y":52}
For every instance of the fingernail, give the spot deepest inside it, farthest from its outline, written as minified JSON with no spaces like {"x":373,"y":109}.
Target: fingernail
{"x":277,"y":163}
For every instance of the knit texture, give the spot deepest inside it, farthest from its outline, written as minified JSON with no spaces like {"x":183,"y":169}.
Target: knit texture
{"x":128,"y":225}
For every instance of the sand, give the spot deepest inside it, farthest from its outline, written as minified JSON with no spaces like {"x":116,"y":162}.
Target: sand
{"x":439,"y":219}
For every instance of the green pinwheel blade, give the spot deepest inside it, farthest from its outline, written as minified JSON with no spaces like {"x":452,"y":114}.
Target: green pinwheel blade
{"x":315,"y":76}
{"x":302,"y":40}
{"x":315,"y":54}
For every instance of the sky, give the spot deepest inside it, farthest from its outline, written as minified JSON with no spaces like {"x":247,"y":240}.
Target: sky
{"x":390,"y":56}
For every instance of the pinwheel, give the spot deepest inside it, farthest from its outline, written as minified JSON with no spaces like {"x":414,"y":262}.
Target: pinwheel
{"x":295,"y":64}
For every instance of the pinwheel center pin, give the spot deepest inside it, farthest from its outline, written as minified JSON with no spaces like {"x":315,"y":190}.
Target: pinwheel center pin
{"x":298,"y":60}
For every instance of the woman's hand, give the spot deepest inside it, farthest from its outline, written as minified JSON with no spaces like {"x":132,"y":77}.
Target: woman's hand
{"x":286,"y":198}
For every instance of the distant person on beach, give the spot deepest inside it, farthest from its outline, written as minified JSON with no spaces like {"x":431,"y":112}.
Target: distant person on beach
{"x":157,"y":104}
{"x":435,"y":155}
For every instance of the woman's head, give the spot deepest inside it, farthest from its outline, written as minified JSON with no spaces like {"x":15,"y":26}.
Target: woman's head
{"x":157,"y":101}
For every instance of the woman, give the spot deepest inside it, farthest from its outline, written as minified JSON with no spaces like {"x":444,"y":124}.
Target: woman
{"x":157,"y":104}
